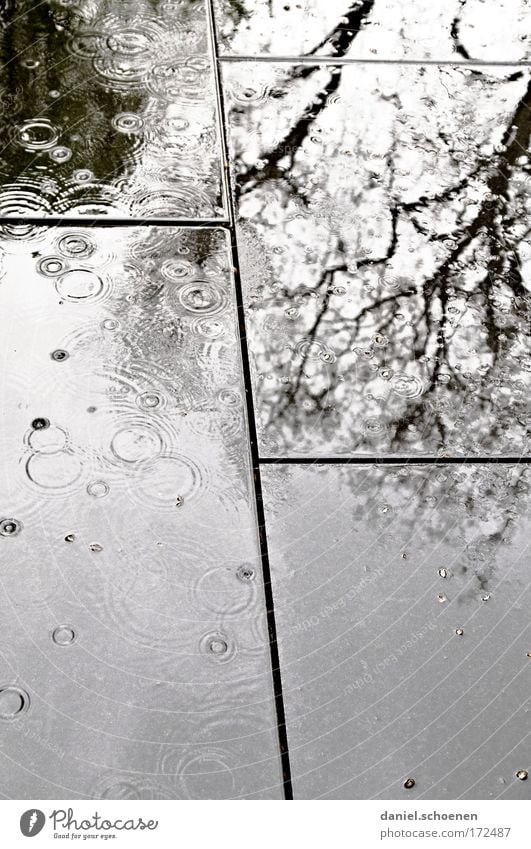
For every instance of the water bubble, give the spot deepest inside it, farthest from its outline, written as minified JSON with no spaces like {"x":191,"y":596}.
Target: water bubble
{"x":37,"y":134}
{"x":76,"y":245}
{"x":127,"y":122}
{"x":203,"y":297}
{"x":110,"y":324}
{"x":60,"y":154}
{"x":179,"y":501}
{"x":407,"y":386}
{"x":64,"y":635}
{"x":51,"y":266}
{"x":459,"y":632}
{"x":217,"y":646}
{"x":10,"y":527}
{"x":13,"y":701}
{"x":176,"y":269}
{"x":409,"y":783}
{"x":245,"y":573}
{"x":59,"y":355}
{"x":83,"y":175}
{"x":443,"y":573}
{"x":522,"y":774}
{"x":79,"y":284}
{"x":442,"y":598}
{"x":374,"y":427}
{"x":98,"y":489}
{"x":150,"y":401}
{"x":70,"y":537}
{"x":228,"y":397}
{"x":40,"y":424}
{"x":292,"y":312}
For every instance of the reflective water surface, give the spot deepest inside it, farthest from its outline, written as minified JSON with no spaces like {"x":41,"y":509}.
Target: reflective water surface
{"x":385,"y":255}
{"x":134,"y":656}
{"x":483,"y":30}
{"x":402,"y":597}
{"x":108,"y":107}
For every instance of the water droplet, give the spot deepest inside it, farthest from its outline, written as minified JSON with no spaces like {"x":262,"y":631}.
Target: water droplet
{"x":442,"y":598}
{"x":95,"y":546}
{"x":127,"y":122}
{"x":110,"y":324}
{"x":407,"y":386}
{"x":203,"y":297}
{"x":245,"y":573}
{"x":59,"y":355}
{"x":217,"y":645}
{"x":83,"y":175}
{"x":64,"y":635}
{"x":36,"y":134}
{"x":76,"y":245}
{"x":409,"y":783}
{"x":13,"y":701}
{"x":51,"y":266}
{"x":443,"y":573}
{"x":98,"y":489}
{"x":60,"y":154}
{"x":10,"y":527}
{"x":459,"y":632}
{"x":40,"y":424}
{"x":149,"y":401}
{"x":522,"y":774}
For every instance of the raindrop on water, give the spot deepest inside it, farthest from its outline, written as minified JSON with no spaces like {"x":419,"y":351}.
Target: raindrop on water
{"x":64,"y":635}
{"x":9,"y":527}
{"x":59,"y":355}
{"x":13,"y":701}
{"x":98,"y":489}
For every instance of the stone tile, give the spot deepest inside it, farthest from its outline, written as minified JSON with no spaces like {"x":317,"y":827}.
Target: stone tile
{"x":133,"y":615}
{"x":109,"y":108}
{"x":385,"y":255}
{"x":401,"y":597}
{"x":481,"y":30}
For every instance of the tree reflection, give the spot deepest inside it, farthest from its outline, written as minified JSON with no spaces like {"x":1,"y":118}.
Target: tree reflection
{"x":389,"y":202}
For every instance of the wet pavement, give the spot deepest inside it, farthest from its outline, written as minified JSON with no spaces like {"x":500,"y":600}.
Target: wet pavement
{"x":266,"y":302}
